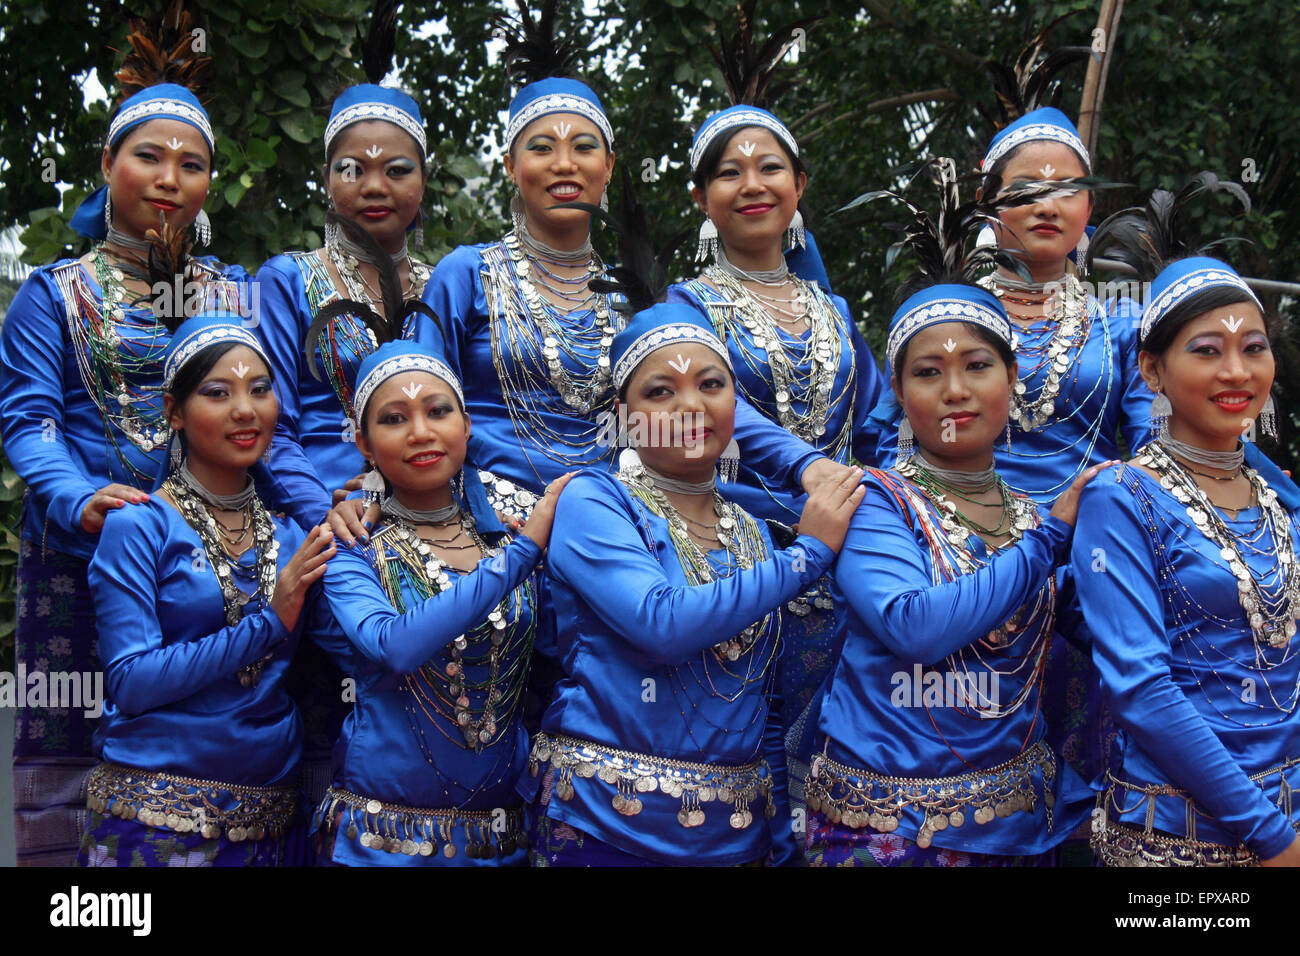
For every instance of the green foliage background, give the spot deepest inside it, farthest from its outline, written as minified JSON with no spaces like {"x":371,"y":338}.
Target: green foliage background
{"x":1194,"y":84}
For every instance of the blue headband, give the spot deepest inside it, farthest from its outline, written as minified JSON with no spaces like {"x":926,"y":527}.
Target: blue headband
{"x":661,"y":326}
{"x":731,"y":119}
{"x":556,"y":95}
{"x":197,"y":333}
{"x":394,"y":358}
{"x":366,"y":101}
{"x":1183,"y":279}
{"x":161,"y":101}
{"x":1047,"y":124}
{"x":946,"y":303}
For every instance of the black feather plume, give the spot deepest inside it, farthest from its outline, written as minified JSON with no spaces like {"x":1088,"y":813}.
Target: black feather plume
{"x":1147,"y":238}
{"x":1027,"y":84}
{"x":944,"y":245}
{"x":748,"y":70}
{"x":641,"y":276}
{"x":532,"y":50}
{"x":381,"y":41}
{"x":385,"y":328}
{"x":165,"y":268}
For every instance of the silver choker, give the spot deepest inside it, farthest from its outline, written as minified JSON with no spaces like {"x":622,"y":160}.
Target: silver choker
{"x":116,"y":237}
{"x":350,"y":248}
{"x":580,"y":255}
{"x":236,"y":502}
{"x":445,"y":515}
{"x":763,"y":276}
{"x":1017,"y":284}
{"x":664,"y":483}
{"x":952,"y":476}
{"x":1224,"y":460}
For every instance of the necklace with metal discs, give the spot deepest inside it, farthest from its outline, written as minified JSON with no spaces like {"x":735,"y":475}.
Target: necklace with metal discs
{"x":802,"y":371}
{"x":198,"y":516}
{"x":1069,"y":335}
{"x":451,"y":691}
{"x":1270,"y":608}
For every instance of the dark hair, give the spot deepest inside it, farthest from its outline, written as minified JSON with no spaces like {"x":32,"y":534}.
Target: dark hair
{"x":998,"y":344}
{"x":1166,"y":330}
{"x":190,"y":375}
{"x":707,"y":169}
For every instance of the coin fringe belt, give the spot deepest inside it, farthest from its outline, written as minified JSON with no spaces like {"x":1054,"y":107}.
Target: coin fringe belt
{"x":188,"y":805}
{"x":633,"y":775}
{"x":1123,"y":844}
{"x":858,"y":798}
{"x":395,"y":828}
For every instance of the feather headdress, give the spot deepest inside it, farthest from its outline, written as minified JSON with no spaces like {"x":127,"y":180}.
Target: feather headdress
{"x":1026,"y":84}
{"x":748,"y":69}
{"x":533,"y":52}
{"x":163,"y":51}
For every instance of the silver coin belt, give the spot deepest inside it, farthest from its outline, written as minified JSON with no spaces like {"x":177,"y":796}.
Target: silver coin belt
{"x":1122,"y":844}
{"x":414,"y":831}
{"x":189,"y":805}
{"x":634,"y":775}
{"x":818,"y":597}
{"x":859,"y":798}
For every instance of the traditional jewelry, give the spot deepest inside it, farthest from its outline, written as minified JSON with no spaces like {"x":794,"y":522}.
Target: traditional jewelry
{"x":1224,"y":460}
{"x":347,"y":259}
{"x":266,"y":549}
{"x":413,"y":516}
{"x":1270,"y":609}
{"x":417,"y":831}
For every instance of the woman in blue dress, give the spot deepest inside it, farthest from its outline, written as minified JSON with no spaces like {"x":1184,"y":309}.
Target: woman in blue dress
{"x":1188,"y":572}
{"x":931,"y":746}
{"x":81,"y":412}
{"x":374,"y":174}
{"x":800,"y":360}
{"x":438,"y":616}
{"x":207,"y":594}
{"x":662,"y":743}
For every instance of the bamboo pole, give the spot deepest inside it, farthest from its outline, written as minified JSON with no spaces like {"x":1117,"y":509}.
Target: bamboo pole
{"x":1094,"y":83}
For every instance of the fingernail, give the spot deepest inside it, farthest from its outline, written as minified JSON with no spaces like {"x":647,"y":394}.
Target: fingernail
{"x":364,"y":539}
{"x":367,"y":525}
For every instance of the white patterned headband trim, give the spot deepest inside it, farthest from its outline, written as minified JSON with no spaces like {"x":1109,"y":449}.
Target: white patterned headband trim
{"x":734,"y":121}
{"x":1037,"y":131}
{"x":944,"y":310}
{"x":164,"y":108}
{"x":395,"y":366}
{"x":663,"y":336}
{"x":375,"y":111}
{"x":198,"y":341}
{"x":1190,"y":284}
{"x":558,"y":103}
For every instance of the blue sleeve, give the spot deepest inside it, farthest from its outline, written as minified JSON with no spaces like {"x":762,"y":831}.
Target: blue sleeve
{"x":402,"y":642}
{"x":32,"y":343}
{"x":291,"y":480}
{"x":455,"y":293}
{"x":142,"y":670}
{"x":598,"y":551}
{"x":786,"y":851}
{"x":883,"y":575}
{"x":1135,"y":404}
{"x":1124,"y":607}
{"x":870,"y":383}
{"x":771,"y":450}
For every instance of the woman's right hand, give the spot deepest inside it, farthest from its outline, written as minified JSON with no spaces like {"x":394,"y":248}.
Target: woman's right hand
{"x":1288,"y":857}
{"x":305,"y":568}
{"x":538,"y":526}
{"x":1066,"y":507}
{"x":107,"y":499}
{"x":829,"y":509}
{"x":351,"y":519}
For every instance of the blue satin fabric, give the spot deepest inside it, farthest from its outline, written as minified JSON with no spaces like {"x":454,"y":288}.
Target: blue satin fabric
{"x":857,"y":369}
{"x":455,"y":292}
{"x":901,"y":622}
{"x":634,"y":644}
{"x":378,"y":754}
{"x":1179,"y":698}
{"x":1102,"y":395}
{"x":175,"y":702}
{"x":53,"y":432}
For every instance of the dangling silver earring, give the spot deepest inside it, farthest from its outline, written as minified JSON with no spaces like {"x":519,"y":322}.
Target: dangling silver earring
{"x":604,"y":198}
{"x":517,"y":213}
{"x":202,"y":229}
{"x":794,"y":233}
{"x":331,"y":231}
{"x":418,"y":244}
{"x":266,"y":455}
{"x":373,"y":487}
{"x":729,"y":465}
{"x":1081,"y":257}
{"x":175,"y":453}
{"x":708,"y":244}
{"x":906,"y":441}
{"x":1268,"y":418}
{"x":1161,"y":409}
{"x":1008,"y":435}
{"x":108,"y":209}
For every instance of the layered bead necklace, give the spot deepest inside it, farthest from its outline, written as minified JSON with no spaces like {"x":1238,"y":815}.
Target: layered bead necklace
{"x":445,"y":691}
{"x":1057,"y":356}
{"x":196,"y":505}
{"x":802,"y":369}
{"x":1269,"y":603}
